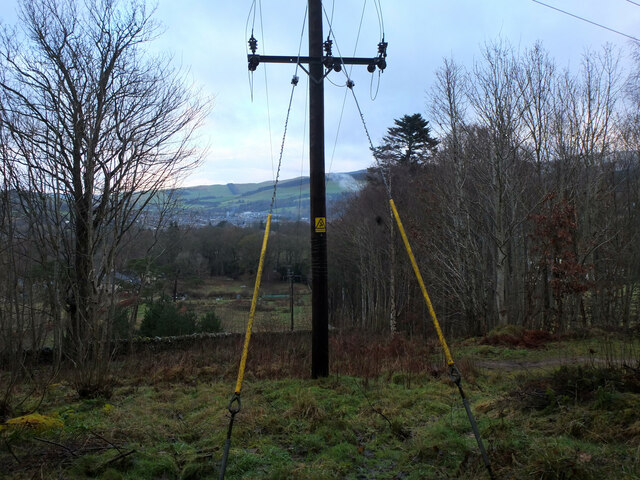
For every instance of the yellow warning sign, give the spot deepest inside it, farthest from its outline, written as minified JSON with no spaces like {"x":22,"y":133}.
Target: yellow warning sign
{"x":321,"y":224}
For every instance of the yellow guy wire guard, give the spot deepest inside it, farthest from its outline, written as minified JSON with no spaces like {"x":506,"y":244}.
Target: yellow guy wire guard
{"x":454,"y":373}
{"x":252,"y":312}
{"x":235,"y":403}
{"x":414,"y":264}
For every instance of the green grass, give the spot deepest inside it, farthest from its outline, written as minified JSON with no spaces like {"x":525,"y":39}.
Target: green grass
{"x":167,"y":418}
{"x":272,"y":314}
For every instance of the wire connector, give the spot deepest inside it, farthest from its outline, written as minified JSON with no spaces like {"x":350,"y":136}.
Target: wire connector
{"x":295,"y":80}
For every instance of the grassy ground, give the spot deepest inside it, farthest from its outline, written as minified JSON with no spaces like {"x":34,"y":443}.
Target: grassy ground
{"x":231,"y":300}
{"x":387,"y":411}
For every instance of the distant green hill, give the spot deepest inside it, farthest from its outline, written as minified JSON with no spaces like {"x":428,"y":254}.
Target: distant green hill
{"x":243,"y":202}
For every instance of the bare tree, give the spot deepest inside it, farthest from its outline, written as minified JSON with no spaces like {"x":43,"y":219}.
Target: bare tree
{"x":536,"y":83}
{"x":527,"y":213}
{"x":98,"y":128}
{"x":24,"y":319}
{"x":583,"y":140}
{"x":496,"y":102}
{"x":459,"y":254}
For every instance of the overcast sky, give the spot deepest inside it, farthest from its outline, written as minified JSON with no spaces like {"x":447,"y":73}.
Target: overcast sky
{"x":207,"y":37}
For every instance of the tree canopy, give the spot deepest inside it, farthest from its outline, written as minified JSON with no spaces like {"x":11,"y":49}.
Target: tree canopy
{"x":409,"y":142}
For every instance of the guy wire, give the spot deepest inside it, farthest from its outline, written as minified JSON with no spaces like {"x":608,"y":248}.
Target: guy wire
{"x":344,"y":100}
{"x":373,"y":149}
{"x":294,"y":83}
{"x":454,"y":373}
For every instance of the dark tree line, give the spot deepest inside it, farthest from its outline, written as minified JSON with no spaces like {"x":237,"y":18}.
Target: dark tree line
{"x":527,"y":213}
{"x":226,"y":250}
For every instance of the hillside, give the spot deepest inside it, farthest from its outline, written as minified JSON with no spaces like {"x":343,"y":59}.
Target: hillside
{"x":242,"y":203}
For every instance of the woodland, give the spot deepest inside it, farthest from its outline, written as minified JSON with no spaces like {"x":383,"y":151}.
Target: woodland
{"x":518,"y":185}
{"x":520,"y":194}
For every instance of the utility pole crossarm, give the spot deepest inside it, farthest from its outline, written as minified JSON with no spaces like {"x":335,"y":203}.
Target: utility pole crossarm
{"x":255,"y":60}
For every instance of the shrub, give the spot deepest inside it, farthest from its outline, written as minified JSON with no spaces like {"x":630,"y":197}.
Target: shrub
{"x":164,"y":319}
{"x":209,"y":323}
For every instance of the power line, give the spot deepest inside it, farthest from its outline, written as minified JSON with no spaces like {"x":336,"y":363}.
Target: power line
{"x":634,"y":3}
{"x":588,"y":21}
{"x":344,"y":100}
{"x":355,"y":47}
{"x":304,"y":140}
{"x":372,"y":95}
{"x":378,"y":5}
{"x":304,"y":23}
{"x":266,"y":89}
{"x":335,"y":143}
{"x":252,"y":10}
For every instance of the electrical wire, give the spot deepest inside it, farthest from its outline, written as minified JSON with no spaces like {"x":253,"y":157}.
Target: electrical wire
{"x":304,"y":24}
{"x":335,"y":41}
{"x":266,"y":90}
{"x":347,"y":75}
{"x":355,"y":47}
{"x":306,"y":103}
{"x":373,"y":95}
{"x":250,"y":75}
{"x":634,"y":3}
{"x":304,"y":139}
{"x":294,"y":84}
{"x":344,"y":69}
{"x":246,"y":31}
{"x":331,"y":34}
{"x":344,"y":100}
{"x":252,"y":8}
{"x":335,"y":143}
{"x":333,"y":8}
{"x":586,"y":20}
{"x":378,"y":5}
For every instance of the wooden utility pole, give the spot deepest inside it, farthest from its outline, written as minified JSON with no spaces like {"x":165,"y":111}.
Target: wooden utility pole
{"x":317,"y":192}
{"x":321,"y":62}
